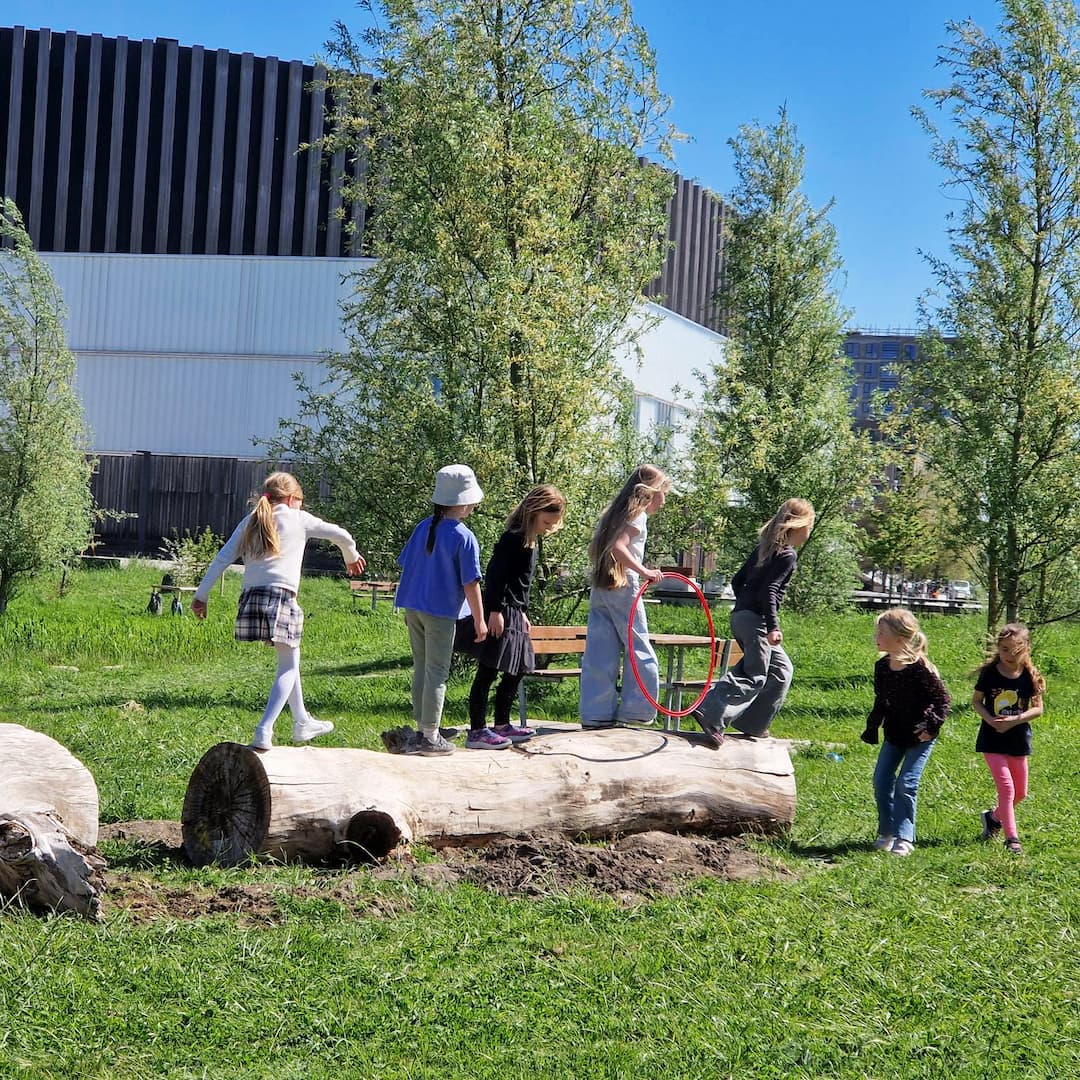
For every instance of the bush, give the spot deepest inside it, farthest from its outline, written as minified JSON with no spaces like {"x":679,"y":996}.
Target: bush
{"x":191,"y":555}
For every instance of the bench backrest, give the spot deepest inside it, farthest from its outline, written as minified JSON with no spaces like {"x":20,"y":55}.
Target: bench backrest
{"x":553,"y":640}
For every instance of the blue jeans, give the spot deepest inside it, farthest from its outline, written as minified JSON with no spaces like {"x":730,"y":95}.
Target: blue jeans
{"x":607,"y":652}
{"x":896,"y":793}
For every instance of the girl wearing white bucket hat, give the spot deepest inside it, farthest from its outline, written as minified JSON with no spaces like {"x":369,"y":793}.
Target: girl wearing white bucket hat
{"x":440,"y":581}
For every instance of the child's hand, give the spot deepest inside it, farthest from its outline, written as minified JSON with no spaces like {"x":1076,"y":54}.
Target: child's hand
{"x":481,"y":630}
{"x":496,"y":624}
{"x":355,"y":569}
{"x":774,"y":637}
{"x":653,"y":577}
{"x":198,"y":609}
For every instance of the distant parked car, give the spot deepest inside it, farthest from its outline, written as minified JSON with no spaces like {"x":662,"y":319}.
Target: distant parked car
{"x":960,"y":590}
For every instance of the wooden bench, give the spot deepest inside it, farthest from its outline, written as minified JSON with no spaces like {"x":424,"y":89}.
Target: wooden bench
{"x":728,"y":653}
{"x":550,"y":641}
{"x":379,"y":590}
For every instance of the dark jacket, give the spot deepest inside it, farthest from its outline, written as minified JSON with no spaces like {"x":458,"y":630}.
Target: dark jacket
{"x":903,"y":701}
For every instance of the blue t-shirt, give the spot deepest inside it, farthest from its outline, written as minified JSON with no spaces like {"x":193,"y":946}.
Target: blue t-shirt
{"x":435,"y":583}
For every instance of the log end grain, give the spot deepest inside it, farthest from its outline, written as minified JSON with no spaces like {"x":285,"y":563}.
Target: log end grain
{"x":227,"y":806}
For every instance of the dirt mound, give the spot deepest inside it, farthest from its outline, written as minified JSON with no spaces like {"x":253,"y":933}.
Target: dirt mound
{"x":629,"y":870}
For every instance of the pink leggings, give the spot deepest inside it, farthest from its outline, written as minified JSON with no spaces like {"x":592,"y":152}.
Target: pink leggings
{"x":1011,"y":780}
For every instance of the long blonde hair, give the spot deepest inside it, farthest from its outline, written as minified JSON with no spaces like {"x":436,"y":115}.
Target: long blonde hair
{"x":904,"y":626}
{"x":1021,"y":633}
{"x":774,"y":534}
{"x":636,"y":494}
{"x":260,"y":537}
{"x":544,"y":498}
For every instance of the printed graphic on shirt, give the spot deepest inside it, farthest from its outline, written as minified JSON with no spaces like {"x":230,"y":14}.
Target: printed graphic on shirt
{"x":1007,"y":703}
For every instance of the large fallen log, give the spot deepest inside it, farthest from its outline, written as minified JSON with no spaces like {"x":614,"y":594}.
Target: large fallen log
{"x":48,"y":825}
{"x":317,"y":803}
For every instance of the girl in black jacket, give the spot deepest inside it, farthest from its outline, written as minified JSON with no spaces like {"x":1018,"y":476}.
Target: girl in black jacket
{"x":911,"y":702}
{"x":749,"y":696}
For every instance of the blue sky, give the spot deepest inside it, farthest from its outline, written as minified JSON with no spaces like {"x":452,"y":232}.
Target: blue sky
{"x":848,"y":71}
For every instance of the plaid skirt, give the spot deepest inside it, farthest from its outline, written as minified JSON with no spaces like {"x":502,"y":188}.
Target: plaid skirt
{"x":271,"y":615}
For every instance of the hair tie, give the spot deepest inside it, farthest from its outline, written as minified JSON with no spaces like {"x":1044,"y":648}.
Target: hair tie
{"x":266,"y":495}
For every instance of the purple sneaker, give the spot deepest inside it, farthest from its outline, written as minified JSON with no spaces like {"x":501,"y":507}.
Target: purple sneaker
{"x":514,"y":734}
{"x":486,"y":739}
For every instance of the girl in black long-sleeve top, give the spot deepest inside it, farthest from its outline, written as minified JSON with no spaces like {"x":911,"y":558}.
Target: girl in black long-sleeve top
{"x":749,"y":696}
{"x":911,"y":703}
{"x":508,"y":648}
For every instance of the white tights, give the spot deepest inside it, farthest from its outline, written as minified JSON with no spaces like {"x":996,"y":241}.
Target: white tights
{"x":286,"y":689}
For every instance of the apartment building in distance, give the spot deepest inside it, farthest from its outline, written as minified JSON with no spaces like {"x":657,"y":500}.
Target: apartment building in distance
{"x":873,"y":356}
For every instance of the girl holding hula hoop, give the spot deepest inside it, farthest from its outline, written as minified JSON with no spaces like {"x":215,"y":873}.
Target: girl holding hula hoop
{"x":616,"y":556}
{"x":749,"y":696}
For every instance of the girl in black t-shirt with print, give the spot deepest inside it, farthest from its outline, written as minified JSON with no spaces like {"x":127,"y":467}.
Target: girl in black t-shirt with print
{"x":1008,"y":695}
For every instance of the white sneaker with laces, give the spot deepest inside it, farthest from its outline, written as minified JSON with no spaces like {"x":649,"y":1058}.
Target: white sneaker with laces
{"x":306,"y":730}
{"x":902,"y":847}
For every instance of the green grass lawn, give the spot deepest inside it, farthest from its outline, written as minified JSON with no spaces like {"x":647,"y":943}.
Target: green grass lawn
{"x":959,"y":961}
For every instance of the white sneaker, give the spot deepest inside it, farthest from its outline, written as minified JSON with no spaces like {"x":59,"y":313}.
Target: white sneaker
{"x":903,"y":847}
{"x":309,"y":729}
{"x":261,"y":740}
{"x":883,"y":843}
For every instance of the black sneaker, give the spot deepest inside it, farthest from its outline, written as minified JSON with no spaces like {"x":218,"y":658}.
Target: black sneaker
{"x":713,"y":736}
{"x":991,"y":825}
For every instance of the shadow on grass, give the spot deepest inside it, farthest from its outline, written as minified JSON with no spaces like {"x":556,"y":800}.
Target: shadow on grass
{"x":834,"y":852}
{"x":839,"y":713}
{"x":142,"y":845}
{"x":836,"y":682}
{"x":391,"y":666}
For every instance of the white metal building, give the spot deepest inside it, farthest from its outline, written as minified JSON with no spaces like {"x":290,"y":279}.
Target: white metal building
{"x":195,"y":354}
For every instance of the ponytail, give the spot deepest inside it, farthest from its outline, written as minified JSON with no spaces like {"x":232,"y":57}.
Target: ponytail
{"x":436,"y":516}
{"x":260,"y":538}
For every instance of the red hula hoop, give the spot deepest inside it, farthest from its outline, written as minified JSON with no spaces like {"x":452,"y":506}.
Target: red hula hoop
{"x":712,"y":647}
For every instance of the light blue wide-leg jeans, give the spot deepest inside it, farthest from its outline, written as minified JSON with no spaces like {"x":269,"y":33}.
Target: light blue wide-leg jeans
{"x":896,"y":787}
{"x":608,"y":647}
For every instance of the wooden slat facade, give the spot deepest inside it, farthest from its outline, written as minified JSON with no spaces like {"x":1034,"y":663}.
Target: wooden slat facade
{"x":169,"y":494}
{"x":113,"y":145}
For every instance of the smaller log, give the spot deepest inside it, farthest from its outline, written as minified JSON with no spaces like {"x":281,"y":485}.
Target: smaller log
{"x":43,"y":866}
{"x":48,"y":825}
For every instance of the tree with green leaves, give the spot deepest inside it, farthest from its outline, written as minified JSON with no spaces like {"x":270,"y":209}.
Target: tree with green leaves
{"x":906,"y":531}
{"x":993,"y":404}
{"x":514,"y":226}
{"x":46,"y":507}
{"x":776,"y":420}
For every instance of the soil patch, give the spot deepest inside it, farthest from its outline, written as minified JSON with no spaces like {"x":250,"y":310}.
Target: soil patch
{"x":630,"y":870}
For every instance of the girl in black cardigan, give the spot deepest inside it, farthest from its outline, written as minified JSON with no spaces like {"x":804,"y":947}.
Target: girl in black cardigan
{"x":911,"y":701}
{"x":508,"y":648}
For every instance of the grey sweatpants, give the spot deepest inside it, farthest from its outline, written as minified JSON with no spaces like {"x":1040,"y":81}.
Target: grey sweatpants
{"x":749,"y":696}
